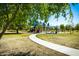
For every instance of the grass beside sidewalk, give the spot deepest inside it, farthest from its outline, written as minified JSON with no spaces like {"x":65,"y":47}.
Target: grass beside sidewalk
{"x":66,"y":39}
{"x":21,"y":45}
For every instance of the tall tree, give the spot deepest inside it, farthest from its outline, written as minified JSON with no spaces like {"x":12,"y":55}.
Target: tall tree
{"x":68,"y":28}
{"x":77,"y":27}
{"x":20,"y":13}
{"x":62,"y":27}
{"x":8,"y":15}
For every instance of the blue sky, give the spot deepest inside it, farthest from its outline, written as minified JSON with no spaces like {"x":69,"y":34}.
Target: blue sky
{"x":75,"y":9}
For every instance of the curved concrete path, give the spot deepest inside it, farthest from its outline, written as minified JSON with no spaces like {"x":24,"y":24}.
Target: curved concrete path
{"x":56,"y":47}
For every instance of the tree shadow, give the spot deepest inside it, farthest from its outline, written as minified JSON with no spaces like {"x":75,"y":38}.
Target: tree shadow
{"x":20,"y":54}
{"x":11,"y":33}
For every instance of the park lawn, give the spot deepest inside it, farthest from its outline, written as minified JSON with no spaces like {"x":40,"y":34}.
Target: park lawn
{"x":21,"y":45}
{"x":15,"y":35}
{"x":66,"y":39}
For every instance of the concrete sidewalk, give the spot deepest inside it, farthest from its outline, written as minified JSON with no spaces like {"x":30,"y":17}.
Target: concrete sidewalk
{"x":56,"y":47}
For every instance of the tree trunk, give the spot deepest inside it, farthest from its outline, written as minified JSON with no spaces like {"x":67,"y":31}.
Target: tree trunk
{"x":56,"y":31}
{"x":57,"y":25}
{"x":3,"y":31}
{"x":17,"y":31}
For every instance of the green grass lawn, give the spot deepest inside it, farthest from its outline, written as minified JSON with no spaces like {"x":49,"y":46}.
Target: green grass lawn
{"x":20,"y":44}
{"x":66,"y":39}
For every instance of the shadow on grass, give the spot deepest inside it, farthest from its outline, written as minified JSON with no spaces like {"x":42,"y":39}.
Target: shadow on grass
{"x":11,"y":33}
{"x":19,"y":54}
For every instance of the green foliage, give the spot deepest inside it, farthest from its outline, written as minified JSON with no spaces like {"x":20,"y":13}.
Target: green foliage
{"x":68,"y":27}
{"x":62,"y":27}
{"x":13,"y":14}
{"x":31,"y":11}
{"x":77,"y":27}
